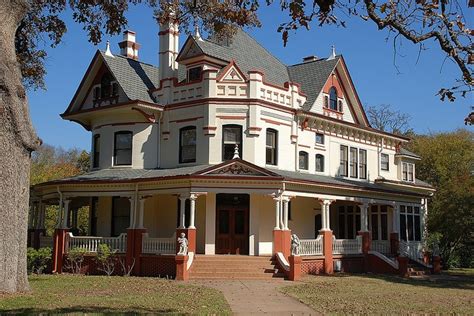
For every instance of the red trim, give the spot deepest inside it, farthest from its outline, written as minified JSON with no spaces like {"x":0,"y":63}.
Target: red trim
{"x":209,"y":128}
{"x":149,"y":117}
{"x":165,"y":133}
{"x":285,"y":87}
{"x":230,"y":117}
{"x":255,"y":128}
{"x":119,"y":124}
{"x":228,"y":67}
{"x":168,"y":31}
{"x":351,"y":107}
{"x":107,"y":107}
{"x":168,"y":51}
{"x":187,"y":120}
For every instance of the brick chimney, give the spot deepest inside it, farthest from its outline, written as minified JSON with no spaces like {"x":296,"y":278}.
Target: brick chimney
{"x":129,"y":47}
{"x":169,"y":41}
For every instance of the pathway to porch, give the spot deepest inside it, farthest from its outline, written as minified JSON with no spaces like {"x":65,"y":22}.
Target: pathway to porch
{"x":251,"y":297}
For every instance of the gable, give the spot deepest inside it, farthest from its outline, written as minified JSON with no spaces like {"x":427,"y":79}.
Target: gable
{"x":190,"y":49}
{"x":232,"y":74}
{"x":236,"y":167}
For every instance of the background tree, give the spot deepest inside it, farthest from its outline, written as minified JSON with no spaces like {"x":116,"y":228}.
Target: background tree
{"x":385,"y":118}
{"x":25,"y":24}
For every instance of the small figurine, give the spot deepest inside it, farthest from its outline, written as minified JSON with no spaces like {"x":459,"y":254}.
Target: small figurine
{"x":183,"y":245}
{"x":295,"y":245}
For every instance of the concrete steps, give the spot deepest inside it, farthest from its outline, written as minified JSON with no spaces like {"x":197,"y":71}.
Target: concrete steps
{"x":234,"y":267}
{"x":416,"y":270}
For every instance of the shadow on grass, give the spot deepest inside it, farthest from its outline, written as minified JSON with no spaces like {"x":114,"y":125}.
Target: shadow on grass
{"x":89,"y":310}
{"x":441,"y":281}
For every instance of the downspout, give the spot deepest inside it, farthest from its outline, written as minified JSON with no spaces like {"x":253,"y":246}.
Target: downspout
{"x":378,"y":159}
{"x":135,"y":198}
{"x":158,"y":148}
{"x":60,"y":207}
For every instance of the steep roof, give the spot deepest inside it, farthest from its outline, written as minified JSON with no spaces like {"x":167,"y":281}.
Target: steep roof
{"x":248,"y":54}
{"x":136,"y":78}
{"x":312,"y":76}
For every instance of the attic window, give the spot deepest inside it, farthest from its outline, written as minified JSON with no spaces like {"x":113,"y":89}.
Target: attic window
{"x":108,"y":87}
{"x":194,"y":74}
{"x":333,"y":99}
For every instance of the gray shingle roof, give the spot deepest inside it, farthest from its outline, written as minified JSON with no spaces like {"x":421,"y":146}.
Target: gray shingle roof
{"x":248,"y":54}
{"x":312,"y":76}
{"x":406,"y":152}
{"x":136,"y":78}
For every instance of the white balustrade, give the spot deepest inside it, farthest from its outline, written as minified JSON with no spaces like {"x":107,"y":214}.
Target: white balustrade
{"x":381,"y":246}
{"x":412,"y":249}
{"x":91,"y":243}
{"x":46,"y":241}
{"x":311,"y":247}
{"x":158,"y":246}
{"x":347,"y":246}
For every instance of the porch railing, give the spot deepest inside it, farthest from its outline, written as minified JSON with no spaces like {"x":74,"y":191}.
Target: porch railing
{"x":46,"y":241}
{"x":158,"y":246}
{"x":311,"y":247}
{"x":347,"y":246}
{"x":382,"y":246}
{"x":91,"y":243}
{"x":412,"y":250}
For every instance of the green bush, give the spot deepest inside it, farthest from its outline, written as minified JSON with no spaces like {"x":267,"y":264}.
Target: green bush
{"x":75,"y":257}
{"x":38,"y":260}
{"x":106,"y":259}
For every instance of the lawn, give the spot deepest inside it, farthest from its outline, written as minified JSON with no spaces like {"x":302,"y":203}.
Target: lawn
{"x":116,"y":295}
{"x":375,"y":294}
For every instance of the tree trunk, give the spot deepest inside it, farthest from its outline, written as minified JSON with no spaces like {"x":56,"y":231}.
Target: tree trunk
{"x":17,"y":141}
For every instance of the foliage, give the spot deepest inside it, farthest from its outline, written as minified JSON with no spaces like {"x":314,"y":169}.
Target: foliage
{"x":126,"y":268}
{"x":448,"y":163}
{"x":106,"y":259}
{"x":384,"y":118}
{"x":74,"y":260}
{"x":38,"y":260}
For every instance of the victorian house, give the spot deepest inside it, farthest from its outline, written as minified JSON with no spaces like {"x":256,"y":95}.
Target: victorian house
{"x":224,"y":143}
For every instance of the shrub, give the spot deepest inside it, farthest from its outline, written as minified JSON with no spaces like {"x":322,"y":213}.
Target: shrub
{"x":106,"y":259}
{"x":37,"y":260}
{"x":75,"y":258}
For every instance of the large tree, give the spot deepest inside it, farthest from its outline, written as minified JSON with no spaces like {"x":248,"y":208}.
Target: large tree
{"x":25,"y":23}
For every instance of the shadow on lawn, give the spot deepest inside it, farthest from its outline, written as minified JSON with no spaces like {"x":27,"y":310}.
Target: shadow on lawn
{"x":441,"y":281}
{"x":89,"y":310}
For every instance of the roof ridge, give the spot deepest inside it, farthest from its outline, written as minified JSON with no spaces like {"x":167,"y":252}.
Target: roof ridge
{"x":315,"y":61}
{"x":131,"y":59}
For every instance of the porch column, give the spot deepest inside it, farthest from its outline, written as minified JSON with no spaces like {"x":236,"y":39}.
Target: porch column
{"x":132,"y":212}
{"x":281,"y":236}
{"x":277,"y":213}
{"x":364,"y":227}
{"x":423,"y":217}
{"x":285,"y":201}
{"x":135,"y":233}
{"x":182,"y":212}
{"x":141,"y":211}
{"x":327,"y":236}
{"x":395,"y":234}
{"x":192,"y":210}
{"x":66,"y":213}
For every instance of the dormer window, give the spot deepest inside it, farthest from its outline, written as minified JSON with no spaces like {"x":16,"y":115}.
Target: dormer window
{"x":408,"y":172}
{"x":333,"y":99}
{"x":194,"y":74}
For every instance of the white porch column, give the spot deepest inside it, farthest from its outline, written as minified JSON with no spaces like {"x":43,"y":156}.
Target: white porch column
{"x":132,"y":212}
{"x":66,"y":213}
{"x":182,"y":212}
{"x":141,"y":211}
{"x":364,"y":218}
{"x":423,"y":217}
{"x":277,"y":213}
{"x":325,"y":218}
{"x":396,"y":218}
{"x":192,"y":210}
{"x":285,"y":201}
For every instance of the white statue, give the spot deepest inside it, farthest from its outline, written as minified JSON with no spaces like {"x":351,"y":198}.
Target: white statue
{"x":295,"y":245}
{"x":183,"y":245}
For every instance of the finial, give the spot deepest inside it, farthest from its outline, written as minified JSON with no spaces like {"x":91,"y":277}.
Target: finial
{"x":333,"y":53}
{"x":197,"y":35}
{"x":236,"y":152}
{"x":108,"y":52}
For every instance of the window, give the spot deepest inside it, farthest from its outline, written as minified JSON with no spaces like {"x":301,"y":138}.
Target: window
{"x":319,"y":163}
{"x":408,"y":172}
{"x":384,"y":162}
{"x":348,"y":221}
{"x":303,"y":160}
{"x":232,"y":135}
{"x":120,"y":215}
{"x":96,"y":93}
{"x":410,"y":223}
{"x":271,"y":150}
{"x":96,"y":153}
{"x":362,"y":164}
{"x":339,"y":108}
{"x":378,"y":222}
{"x":106,"y":85}
{"x":194,"y":74}
{"x":333,"y":98}
{"x":187,"y":144}
{"x":343,"y":161}
{"x":123,"y":148}
{"x":353,"y":163}
{"x":320,"y":138}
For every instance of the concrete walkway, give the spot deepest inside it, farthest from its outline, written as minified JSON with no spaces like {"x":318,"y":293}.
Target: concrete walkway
{"x":254,"y":297}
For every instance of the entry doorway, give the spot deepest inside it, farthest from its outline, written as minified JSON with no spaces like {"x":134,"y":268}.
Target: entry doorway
{"x":232,"y":224}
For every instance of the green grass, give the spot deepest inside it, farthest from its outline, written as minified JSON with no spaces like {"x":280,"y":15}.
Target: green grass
{"x":372,"y":294}
{"x":112,"y":295}
{"x":460,"y":272}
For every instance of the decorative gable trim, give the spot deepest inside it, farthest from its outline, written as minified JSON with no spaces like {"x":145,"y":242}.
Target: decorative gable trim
{"x":231,"y":73}
{"x":190,"y":49}
{"x":237,"y":167}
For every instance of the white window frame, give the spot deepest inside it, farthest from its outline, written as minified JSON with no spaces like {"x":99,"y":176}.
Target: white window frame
{"x":410,"y":176}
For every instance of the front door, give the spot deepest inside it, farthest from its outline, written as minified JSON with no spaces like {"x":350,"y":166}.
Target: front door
{"x":232,"y":224}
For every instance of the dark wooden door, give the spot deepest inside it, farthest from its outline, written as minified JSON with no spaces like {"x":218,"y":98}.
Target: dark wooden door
{"x":232,"y":227}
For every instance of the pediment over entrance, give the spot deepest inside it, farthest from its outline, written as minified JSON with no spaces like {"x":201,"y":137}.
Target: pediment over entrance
{"x":237,"y":167}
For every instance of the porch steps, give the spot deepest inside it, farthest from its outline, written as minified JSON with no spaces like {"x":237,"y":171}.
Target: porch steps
{"x":234,"y":267}
{"x":417,"y":270}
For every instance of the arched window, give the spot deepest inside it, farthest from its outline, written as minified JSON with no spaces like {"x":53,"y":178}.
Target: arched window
{"x":187,"y":144}
{"x":96,"y":151}
{"x":319,"y":163}
{"x":231,"y":136}
{"x":333,"y":98}
{"x":271,"y":150}
{"x":106,"y":85}
{"x":303,"y":160}
{"x":123,"y":148}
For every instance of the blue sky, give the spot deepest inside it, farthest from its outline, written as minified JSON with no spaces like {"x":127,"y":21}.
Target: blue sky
{"x":370,"y":59}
